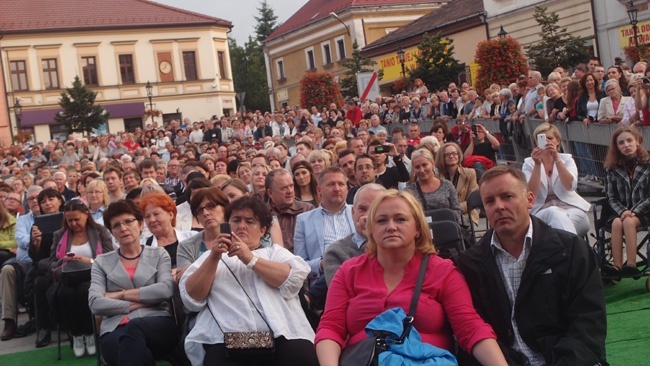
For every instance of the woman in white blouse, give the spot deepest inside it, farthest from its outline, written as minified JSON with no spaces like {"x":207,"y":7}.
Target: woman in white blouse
{"x":611,"y":107}
{"x":239,"y":286}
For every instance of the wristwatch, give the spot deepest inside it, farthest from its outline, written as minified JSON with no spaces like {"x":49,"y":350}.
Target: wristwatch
{"x":252,"y":262}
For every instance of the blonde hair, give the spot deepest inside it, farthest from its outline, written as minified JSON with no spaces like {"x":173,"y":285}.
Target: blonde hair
{"x":430,"y":143}
{"x":424,"y":153}
{"x":150,"y":181}
{"x":320,"y":155}
{"x":99,"y":184}
{"x":547,"y":127}
{"x":423,"y":242}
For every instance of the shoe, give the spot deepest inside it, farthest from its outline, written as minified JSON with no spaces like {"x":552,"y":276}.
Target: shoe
{"x":631,"y":271}
{"x":90,"y":344}
{"x":43,"y":338}
{"x":611,"y":272}
{"x":10,"y":330}
{"x":26,"y":329}
{"x":78,"y":346}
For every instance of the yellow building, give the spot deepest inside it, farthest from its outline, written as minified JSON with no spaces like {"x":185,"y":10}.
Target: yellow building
{"x":463,"y":21}
{"x":320,"y":35}
{"x":115,"y":47}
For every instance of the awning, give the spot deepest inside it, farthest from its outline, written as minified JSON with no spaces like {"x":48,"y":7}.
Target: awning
{"x":46,"y":116}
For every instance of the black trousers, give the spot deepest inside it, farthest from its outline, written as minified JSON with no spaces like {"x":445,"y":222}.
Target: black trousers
{"x":287,"y":352}
{"x":42,"y":306}
{"x":140,"y":341}
{"x":73,"y":310}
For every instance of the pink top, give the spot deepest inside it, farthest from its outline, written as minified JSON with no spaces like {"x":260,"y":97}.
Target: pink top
{"x":131,"y":272}
{"x":358,"y":294}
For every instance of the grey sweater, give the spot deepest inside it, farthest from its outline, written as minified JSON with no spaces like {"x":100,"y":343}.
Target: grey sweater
{"x":337,"y":253}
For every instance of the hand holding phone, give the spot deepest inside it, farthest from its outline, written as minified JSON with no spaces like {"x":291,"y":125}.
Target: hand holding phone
{"x":541,"y":141}
{"x":224,"y":228}
{"x":69,"y":254}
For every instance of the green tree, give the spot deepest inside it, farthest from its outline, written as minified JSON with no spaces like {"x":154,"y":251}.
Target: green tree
{"x":79,"y":112}
{"x":557,"y":46}
{"x":354,"y":65}
{"x":266,"y":22}
{"x":436,"y":65}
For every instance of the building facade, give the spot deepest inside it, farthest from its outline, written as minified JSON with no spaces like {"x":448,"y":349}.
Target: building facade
{"x":319,"y":36}
{"x":614,"y":30}
{"x":184,"y":55}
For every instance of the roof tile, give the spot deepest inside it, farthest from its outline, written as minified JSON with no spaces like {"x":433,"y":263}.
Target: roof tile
{"x":26,"y":16}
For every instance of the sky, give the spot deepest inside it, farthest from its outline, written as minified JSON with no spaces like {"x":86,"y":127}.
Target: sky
{"x":240,"y":12}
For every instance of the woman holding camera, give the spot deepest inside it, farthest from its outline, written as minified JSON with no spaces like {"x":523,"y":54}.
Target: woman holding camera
{"x":244,"y":290}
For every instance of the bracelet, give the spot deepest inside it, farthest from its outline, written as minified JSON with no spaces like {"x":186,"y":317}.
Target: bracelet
{"x":557,"y":161}
{"x":252,"y":262}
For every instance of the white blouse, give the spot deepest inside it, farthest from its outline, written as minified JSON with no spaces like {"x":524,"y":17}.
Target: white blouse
{"x":280,"y":306}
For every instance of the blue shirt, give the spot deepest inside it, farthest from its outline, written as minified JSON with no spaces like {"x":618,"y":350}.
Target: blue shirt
{"x":23,"y":234}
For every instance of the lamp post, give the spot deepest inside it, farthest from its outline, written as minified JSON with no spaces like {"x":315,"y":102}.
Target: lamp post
{"x":18,"y":110}
{"x":336,"y":16}
{"x":632,"y":13}
{"x":502,"y":33}
{"x":400,"y":56}
{"x":149,"y":88}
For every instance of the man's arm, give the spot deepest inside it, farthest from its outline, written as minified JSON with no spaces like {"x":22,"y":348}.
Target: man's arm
{"x":300,"y":247}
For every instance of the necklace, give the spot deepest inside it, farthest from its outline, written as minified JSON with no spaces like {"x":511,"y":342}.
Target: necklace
{"x":131,"y":258}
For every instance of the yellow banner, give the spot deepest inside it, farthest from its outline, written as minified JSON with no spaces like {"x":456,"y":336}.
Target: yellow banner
{"x":626,"y":34}
{"x":473,"y":72}
{"x":393,"y":68}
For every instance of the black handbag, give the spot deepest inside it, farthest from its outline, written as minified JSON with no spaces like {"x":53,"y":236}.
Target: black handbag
{"x":245,"y":346}
{"x":366,"y":352}
{"x":75,"y":272}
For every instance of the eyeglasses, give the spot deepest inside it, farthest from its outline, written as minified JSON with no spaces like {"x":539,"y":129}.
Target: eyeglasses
{"x":210,"y":206}
{"x":125,"y":223}
{"x":94,"y":192}
{"x":446,"y":155}
{"x":33,"y":198}
{"x":12,"y":199}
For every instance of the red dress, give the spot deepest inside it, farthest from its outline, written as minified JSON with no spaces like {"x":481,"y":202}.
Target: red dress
{"x":358,"y":294}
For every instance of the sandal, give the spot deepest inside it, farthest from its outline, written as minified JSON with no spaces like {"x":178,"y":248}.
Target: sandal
{"x":611,"y":272}
{"x":631,"y":271}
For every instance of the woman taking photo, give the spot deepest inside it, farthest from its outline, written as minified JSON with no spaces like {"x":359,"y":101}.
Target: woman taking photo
{"x":610,"y":109}
{"x":304,"y":183}
{"x":627,"y":187}
{"x":553,"y":178}
{"x":463,"y":179}
{"x":159,"y":212}
{"x":131,"y":289}
{"x":241,"y":286}
{"x":433,"y":193}
{"x":398,"y":238}
{"x":80,"y":240}
{"x":97,"y":200}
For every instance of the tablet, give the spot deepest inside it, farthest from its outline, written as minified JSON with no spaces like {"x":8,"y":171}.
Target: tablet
{"x":49,"y":223}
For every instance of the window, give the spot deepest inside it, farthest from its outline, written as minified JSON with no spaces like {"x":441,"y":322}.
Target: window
{"x":222,"y":64}
{"x":18,"y":75}
{"x":89,"y":70}
{"x":126,"y":69}
{"x":340,"y":47}
{"x":280,"y":69}
{"x":311,"y":64}
{"x":189,"y":63}
{"x":50,"y":73}
{"x":327,"y":54}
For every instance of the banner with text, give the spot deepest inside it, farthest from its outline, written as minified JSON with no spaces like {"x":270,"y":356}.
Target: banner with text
{"x":393,"y":68}
{"x":626,"y":34}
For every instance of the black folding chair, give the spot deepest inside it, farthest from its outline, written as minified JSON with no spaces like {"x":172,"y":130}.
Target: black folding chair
{"x":440,"y":214}
{"x":447,"y":238}
{"x":474,"y":201}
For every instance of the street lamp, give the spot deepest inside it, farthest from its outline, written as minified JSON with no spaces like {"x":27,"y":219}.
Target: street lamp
{"x":502,"y":33}
{"x":336,"y":16}
{"x":400,"y":56}
{"x":18,"y":110}
{"x":632,"y":13}
{"x":149,"y":88}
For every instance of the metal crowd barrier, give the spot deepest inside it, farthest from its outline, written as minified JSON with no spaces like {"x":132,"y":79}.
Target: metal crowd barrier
{"x":588,"y":145}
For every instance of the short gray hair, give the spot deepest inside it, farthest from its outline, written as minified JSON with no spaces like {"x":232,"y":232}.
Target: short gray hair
{"x":506,"y":93}
{"x":611,"y":82}
{"x":370,"y":186}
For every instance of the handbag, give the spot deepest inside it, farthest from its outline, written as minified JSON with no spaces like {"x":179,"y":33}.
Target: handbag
{"x":366,"y":352}
{"x":75,"y":272}
{"x":247,"y":345}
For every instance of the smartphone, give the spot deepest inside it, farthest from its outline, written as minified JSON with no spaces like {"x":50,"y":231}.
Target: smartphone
{"x":382,"y":149}
{"x":541,"y":141}
{"x":646,"y":80}
{"x":224,"y":227}
{"x":474,"y":129}
{"x":69,"y":254}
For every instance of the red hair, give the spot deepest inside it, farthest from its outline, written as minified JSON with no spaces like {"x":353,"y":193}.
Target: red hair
{"x":159,"y":200}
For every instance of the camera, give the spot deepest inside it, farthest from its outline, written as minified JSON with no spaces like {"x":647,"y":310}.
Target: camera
{"x":474,"y":129}
{"x":224,"y":227}
{"x":382,"y":149}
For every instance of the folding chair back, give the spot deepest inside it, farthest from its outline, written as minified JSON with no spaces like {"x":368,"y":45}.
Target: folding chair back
{"x":440,"y":214}
{"x":474,"y":201}
{"x":447,"y":238}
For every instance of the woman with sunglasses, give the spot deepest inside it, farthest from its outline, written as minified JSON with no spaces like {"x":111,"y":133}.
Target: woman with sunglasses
{"x":131,"y":289}
{"x":80,"y":240}
{"x":240,"y":285}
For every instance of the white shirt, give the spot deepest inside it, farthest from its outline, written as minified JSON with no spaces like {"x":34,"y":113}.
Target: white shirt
{"x":280,"y":306}
{"x":196,"y":136}
{"x":82,"y":250}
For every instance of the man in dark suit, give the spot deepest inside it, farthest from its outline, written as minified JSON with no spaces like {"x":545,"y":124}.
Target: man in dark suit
{"x":211,"y":132}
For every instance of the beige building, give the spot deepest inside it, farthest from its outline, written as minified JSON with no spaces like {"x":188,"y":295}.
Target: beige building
{"x":319,"y":36}
{"x":115,"y":47}
{"x":462,"y":21}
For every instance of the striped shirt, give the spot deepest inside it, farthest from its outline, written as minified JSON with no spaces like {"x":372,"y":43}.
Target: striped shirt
{"x":511,"y":269}
{"x":335,"y":226}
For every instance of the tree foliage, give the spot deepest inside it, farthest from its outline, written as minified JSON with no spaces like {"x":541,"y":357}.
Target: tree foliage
{"x":79,"y":112}
{"x":436,"y":65}
{"x":248,"y":67}
{"x":557,"y":46}
{"x":355,"y":64}
{"x":319,"y":89}
{"x":501,"y":61}
{"x":266,"y":22}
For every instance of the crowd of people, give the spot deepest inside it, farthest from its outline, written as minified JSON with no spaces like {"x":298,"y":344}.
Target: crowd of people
{"x":297,"y":228}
